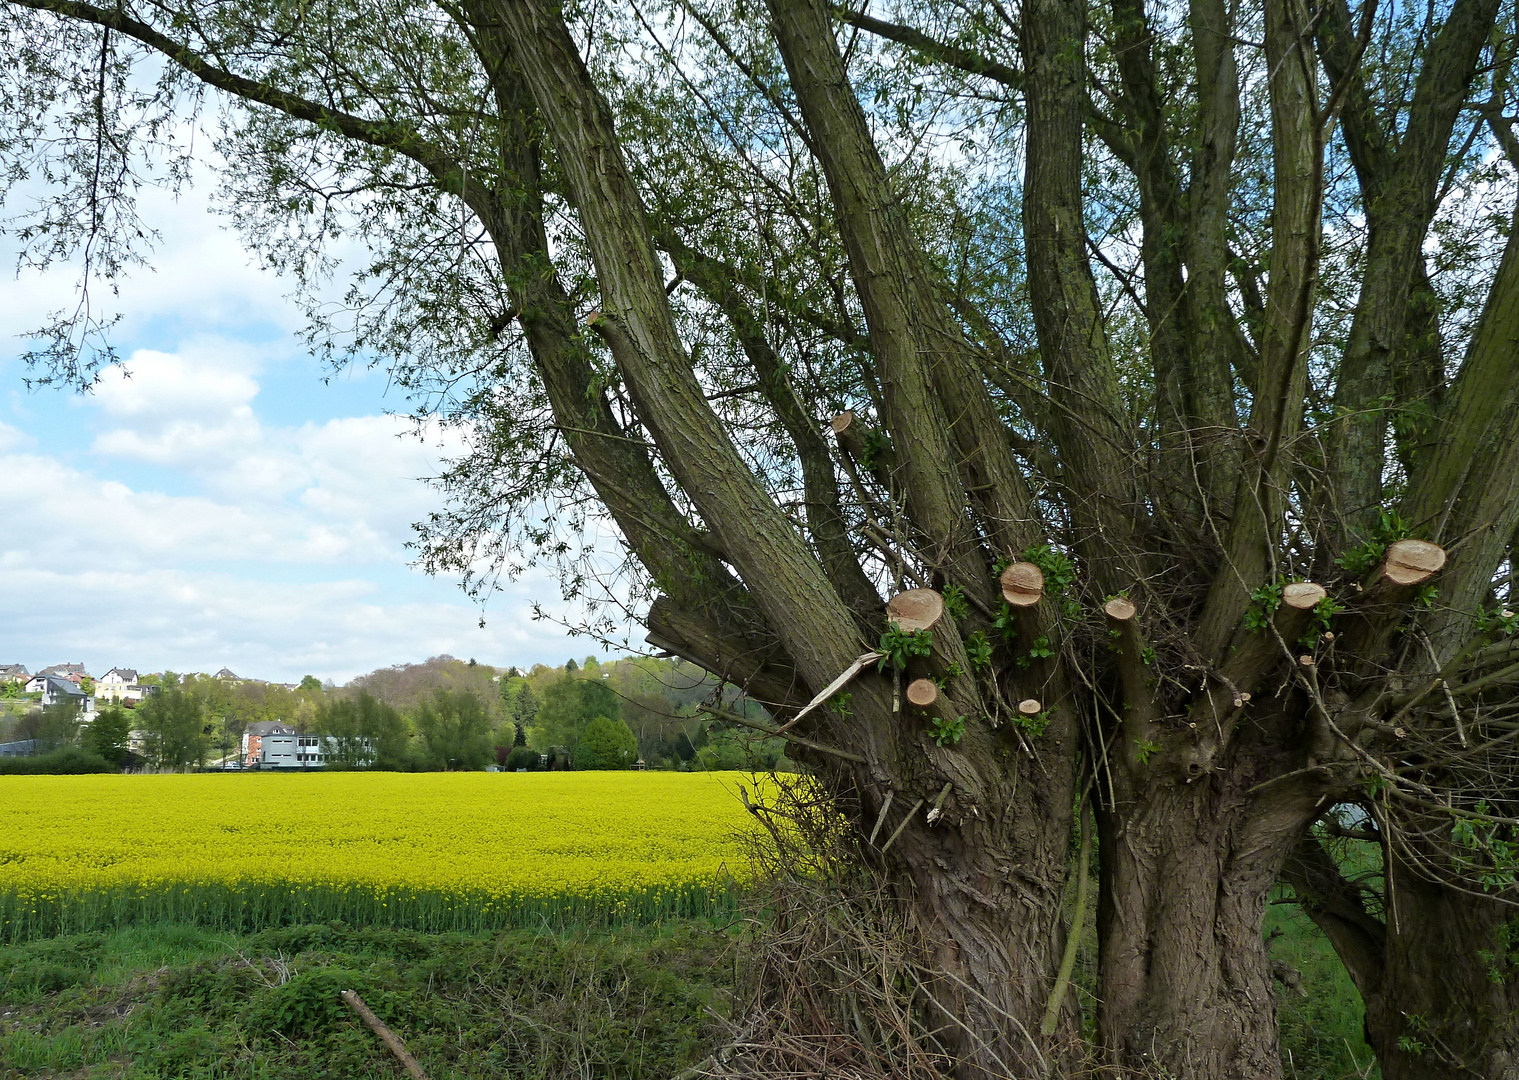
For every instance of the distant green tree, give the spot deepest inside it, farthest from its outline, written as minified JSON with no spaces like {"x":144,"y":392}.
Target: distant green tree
{"x":569,"y":705}
{"x":456,"y":730}
{"x":50,"y":727}
{"x":723,"y":753}
{"x":173,"y":726}
{"x":365,"y":732}
{"x":606,"y":744}
{"x":571,"y":666}
{"x":527,"y":705}
{"x":310,"y":684}
{"x":110,"y":735}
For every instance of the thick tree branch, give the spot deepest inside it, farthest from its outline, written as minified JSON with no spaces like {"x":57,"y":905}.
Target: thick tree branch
{"x":825,"y":518}
{"x":1399,"y":188}
{"x":1337,"y":908}
{"x":787,"y":582}
{"x":927,"y":367}
{"x":961,"y":59}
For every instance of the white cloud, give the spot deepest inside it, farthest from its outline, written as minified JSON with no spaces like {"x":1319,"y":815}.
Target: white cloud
{"x":197,"y":382}
{"x":14,"y":438}
{"x":97,"y":570}
{"x":201,"y":621}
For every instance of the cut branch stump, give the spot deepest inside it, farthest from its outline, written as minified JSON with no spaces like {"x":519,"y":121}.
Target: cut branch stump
{"x":915,"y":609}
{"x":922,"y":692}
{"x":1412,"y":562}
{"x":1302,"y":595}
{"x":1119,"y":609}
{"x":1023,"y":584}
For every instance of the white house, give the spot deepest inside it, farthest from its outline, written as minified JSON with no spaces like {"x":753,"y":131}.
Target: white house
{"x":119,"y":684}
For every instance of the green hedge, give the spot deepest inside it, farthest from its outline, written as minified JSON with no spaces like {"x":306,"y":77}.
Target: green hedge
{"x":70,"y":761}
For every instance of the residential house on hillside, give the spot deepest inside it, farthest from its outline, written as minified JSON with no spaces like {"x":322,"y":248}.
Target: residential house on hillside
{"x":120,"y":684}
{"x":269,"y":744}
{"x":13,"y":673}
{"x":56,"y":690}
{"x":74,"y":673}
{"x":227,"y":673}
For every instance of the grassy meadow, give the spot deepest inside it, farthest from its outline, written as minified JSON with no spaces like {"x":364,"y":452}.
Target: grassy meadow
{"x":428,"y":851}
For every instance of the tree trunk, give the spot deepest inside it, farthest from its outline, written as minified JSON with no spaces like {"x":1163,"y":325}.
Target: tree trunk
{"x":1439,"y":977}
{"x":1187,"y":983}
{"x":1448,"y":1001}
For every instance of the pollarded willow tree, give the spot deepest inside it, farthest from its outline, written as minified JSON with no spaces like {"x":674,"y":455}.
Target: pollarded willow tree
{"x":1098,"y":408}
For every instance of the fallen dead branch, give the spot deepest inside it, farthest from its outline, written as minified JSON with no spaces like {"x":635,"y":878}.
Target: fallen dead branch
{"x":390,"y":1038}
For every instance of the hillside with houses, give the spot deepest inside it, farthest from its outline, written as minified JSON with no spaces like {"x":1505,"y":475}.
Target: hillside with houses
{"x":440,"y":714}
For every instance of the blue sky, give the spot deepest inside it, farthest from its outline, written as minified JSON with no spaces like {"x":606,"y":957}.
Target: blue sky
{"x":222,"y":506}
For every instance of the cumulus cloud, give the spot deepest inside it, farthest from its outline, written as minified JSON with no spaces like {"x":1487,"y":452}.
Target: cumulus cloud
{"x":114,"y":575}
{"x":204,"y":620}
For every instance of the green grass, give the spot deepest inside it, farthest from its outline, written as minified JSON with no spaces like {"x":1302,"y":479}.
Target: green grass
{"x":249,"y":908}
{"x":182,"y":1001}
{"x":1322,"y":1034}
{"x":179,"y":1000}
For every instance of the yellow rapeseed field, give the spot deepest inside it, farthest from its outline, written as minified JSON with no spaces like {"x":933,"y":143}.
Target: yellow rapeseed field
{"x":429,"y":850}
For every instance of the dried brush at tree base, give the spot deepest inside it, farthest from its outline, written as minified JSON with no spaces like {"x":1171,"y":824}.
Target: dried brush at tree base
{"x":837,"y":977}
{"x":831,"y":981}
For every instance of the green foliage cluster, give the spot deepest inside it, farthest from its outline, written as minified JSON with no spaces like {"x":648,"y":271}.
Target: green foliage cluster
{"x":606,"y":743}
{"x":1059,"y":575}
{"x":1265,"y":602}
{"x":455,"y":729}
{"x":109,"y":736}
{"x":1498,"y":622}
{"x":979,"y":649}
{"x":364,"y":732}
{"x":1489,"y":852}
{"x":900,"y":645}
{"x":1144,"y":748}
{"x":176,"y":731}
{"x":1035,"y":725}
{"x":1361,"y":558}
{"x":946,"y":732}
{"x":69,"y":761}
{"x":635,"y":1004}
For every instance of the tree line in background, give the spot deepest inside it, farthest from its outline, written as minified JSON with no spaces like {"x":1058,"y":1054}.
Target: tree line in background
{"x":443,"y":714}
